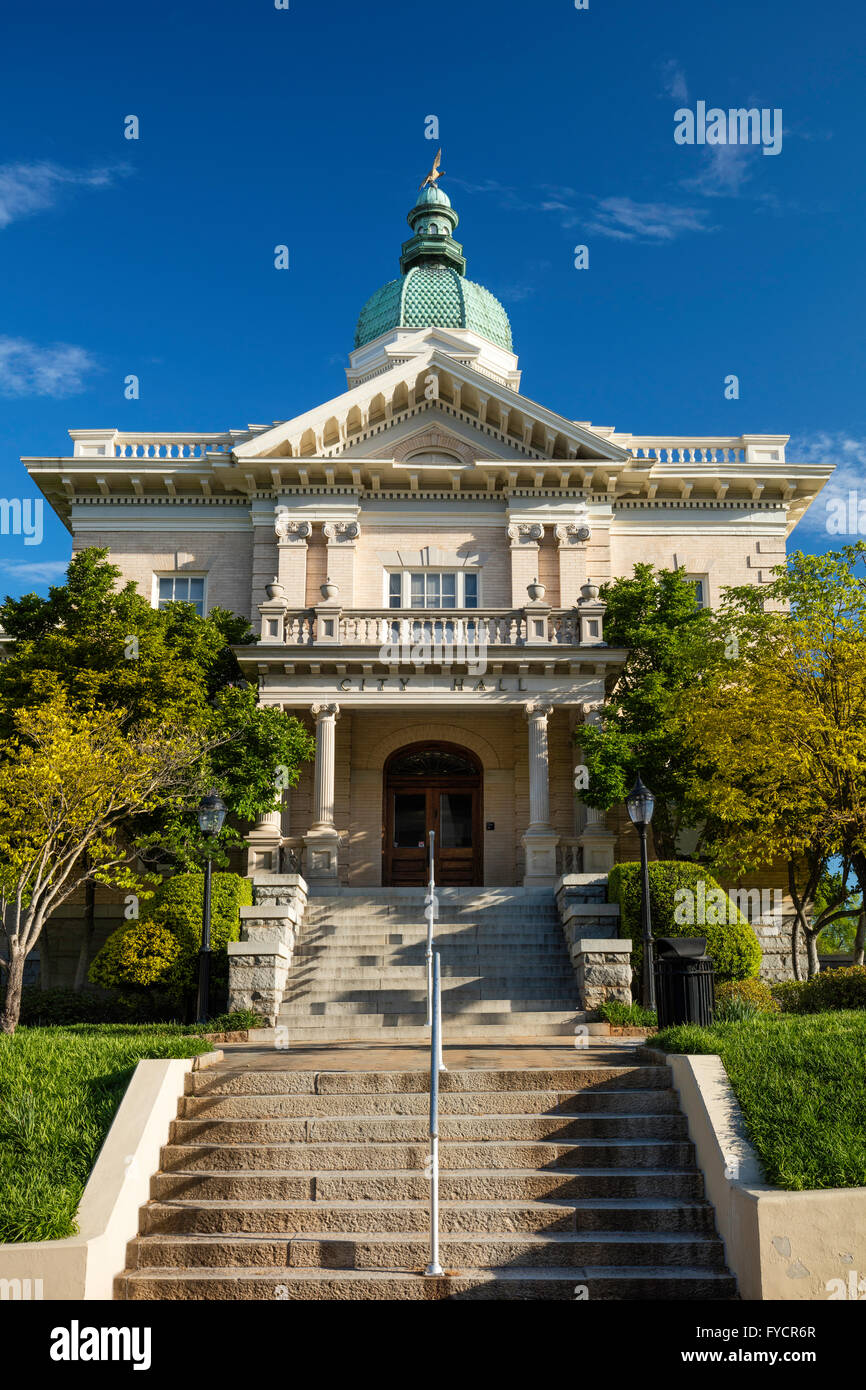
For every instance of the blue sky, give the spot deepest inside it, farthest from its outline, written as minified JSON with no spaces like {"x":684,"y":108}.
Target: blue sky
{"x":305,"y":126}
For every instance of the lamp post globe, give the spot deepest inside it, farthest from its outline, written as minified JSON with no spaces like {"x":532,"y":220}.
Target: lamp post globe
{"x":640,"y":804}
{"x":211,"y":813}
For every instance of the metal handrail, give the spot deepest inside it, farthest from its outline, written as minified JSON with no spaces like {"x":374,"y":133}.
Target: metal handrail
{"x":430,"y":913}
{"x":436,"y":1066}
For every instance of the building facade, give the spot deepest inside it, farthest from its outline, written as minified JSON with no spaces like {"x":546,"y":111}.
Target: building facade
{"x":422,"y":556}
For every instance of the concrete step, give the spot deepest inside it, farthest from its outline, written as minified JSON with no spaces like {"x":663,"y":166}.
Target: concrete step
{"x":473,"y":1103}
{"x":290,"y":1284}
{"x":397,"y":1028}
{"x":389,"y":1251}
{"x":406,"y":1004}
{"x":574,"y":1080}
{"x":396,"y":1185}
{"x":338,"y":1155}
{"x":202,"y":1217}
{"x":407,"y":976}
{"x":404,"y":1129}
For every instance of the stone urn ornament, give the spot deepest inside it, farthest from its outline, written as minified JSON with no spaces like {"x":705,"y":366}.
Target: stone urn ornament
{"x":329,"y":591}
{"x":589,"y":592}
{"x":276,"y":590}
{"x":536,"y":591}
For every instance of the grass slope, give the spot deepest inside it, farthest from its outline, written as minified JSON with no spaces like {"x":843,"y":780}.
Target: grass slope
{"x":801,"y":1083}
{"x":59,"y":1091}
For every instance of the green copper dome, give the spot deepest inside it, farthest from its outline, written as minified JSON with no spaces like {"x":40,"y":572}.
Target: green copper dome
{"x":433,"y":291}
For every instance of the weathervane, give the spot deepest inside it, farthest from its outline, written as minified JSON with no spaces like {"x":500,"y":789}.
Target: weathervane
{"x":435,"y":173}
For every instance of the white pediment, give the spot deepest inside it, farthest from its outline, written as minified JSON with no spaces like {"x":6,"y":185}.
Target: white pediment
{"x":432,"y":392}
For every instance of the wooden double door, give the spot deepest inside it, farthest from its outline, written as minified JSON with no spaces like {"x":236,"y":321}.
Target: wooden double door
{"x":432,"y":786}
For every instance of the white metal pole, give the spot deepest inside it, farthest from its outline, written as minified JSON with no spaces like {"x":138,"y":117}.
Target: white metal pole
{"x":429,"y":910}
{"x":434,"y":1267}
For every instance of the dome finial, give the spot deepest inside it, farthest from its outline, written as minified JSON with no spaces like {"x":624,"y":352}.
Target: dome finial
{"x":433,"y":220}
{"x":435,"y":173}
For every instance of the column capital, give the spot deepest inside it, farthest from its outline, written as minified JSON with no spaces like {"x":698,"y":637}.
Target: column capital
{"x":592,"y":711}
{"x":322,"y":711}
{"x":291,"y":530}
{"x":572,"y":532}
{"x":341,"y":532}
{"x":537,"y":709}
{"x":525,"y":532}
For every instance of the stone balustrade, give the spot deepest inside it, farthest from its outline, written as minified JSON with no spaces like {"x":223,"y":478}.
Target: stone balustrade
{"x":469,"y":628}
{"x":722,"y":449}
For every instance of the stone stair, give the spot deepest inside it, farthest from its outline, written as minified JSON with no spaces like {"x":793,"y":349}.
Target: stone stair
{"x":358,"y":967}
{"x":555,"y":1184}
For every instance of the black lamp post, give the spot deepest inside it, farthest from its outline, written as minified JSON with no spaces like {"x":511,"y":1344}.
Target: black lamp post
{"x":211,"y":814}
{"x":640,"y":803}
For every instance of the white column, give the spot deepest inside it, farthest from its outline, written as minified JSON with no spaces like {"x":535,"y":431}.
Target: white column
{"x":597,"y":842}
{"x":322,"y":843}
{"x":326,"y":717}
{"x":537,"y":715}
{"x":539,"y":840}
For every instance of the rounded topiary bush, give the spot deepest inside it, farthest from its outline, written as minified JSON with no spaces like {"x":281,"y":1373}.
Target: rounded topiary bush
{"x":160,"y":950}
{"x":685,"y":900}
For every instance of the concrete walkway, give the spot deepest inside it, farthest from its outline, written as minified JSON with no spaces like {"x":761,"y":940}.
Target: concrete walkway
{"x":382,"y":1057}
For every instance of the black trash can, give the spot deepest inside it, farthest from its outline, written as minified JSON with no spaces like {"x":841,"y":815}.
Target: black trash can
{"x":685,"y":981}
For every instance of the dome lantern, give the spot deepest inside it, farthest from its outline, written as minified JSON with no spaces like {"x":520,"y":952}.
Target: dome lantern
{"x":433,"y":291}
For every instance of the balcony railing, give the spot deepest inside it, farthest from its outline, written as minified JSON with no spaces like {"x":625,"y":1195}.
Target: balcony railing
{"x":465,"y":628}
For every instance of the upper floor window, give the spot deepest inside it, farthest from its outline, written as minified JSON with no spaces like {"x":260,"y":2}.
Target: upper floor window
{"x":699,"y":584}
{"x":181,"y":588}
{"x":433,"y":589}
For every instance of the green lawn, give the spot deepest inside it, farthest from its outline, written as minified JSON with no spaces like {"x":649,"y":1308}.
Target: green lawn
{"x":59,"y":1090}
{"x":801,"y":1082}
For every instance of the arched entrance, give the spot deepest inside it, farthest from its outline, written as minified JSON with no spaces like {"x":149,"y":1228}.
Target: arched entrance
{"x":432,"y":786}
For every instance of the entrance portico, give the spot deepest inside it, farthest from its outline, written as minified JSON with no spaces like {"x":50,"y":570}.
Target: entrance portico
{"x":361,"y":813}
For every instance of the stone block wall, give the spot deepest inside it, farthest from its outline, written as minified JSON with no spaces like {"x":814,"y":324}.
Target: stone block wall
{"x":601,"y":960}
{"x":259,"y":963}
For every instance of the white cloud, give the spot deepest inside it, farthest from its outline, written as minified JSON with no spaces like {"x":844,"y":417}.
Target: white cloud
{"x":674,"y":81}
{"x":27,"y":369}
{"x":725,"y":169}
{"x":29,"y":188}
{"x":848,"y":455}
{"x":44,"y":572}
{"x":628,"y":220}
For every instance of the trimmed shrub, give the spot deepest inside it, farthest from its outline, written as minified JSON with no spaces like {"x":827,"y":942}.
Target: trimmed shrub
{"x":732,"y":945}
{"x":789,"y":994}
{"x":744,"y":998}
{"x":835,"y":989}
{"x":61,"y":1008}
{"x":160,"y":950}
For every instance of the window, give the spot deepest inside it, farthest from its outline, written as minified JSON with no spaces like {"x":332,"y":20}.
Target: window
{"x":433,"y":589}
{"x":699,"y":583}
{"x":181,"y":588}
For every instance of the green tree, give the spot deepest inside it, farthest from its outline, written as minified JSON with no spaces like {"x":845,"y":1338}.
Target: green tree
{"x":70,"y":779}
{"x":776,"y":737}
{"x":841,"y":935}
{"x":670,"y":640}
{"x":104,"y":646}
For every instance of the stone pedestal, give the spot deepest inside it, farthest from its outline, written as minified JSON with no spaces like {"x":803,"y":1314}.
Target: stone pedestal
{"x":603,"y":971}
{"x":597,"y":843}
{"x":259,"y":963}
{"x":263,"y":844}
